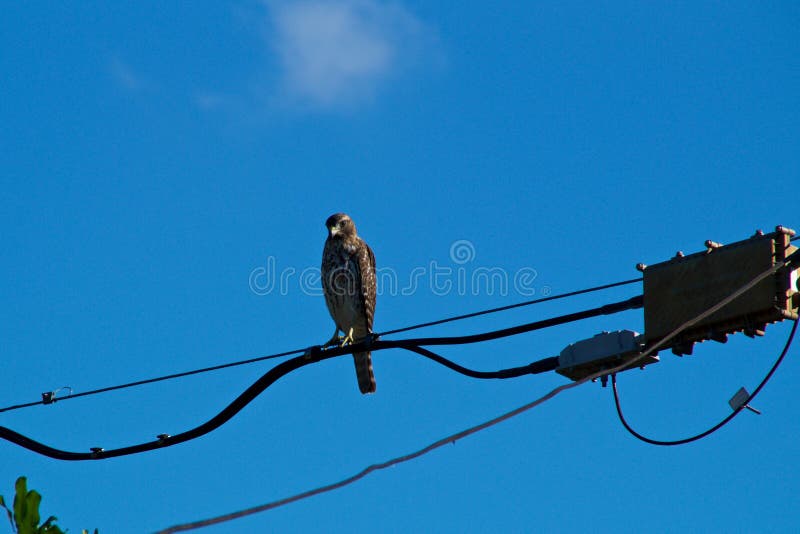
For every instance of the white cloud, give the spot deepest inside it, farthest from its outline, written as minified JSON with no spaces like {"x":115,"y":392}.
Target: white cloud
{"x":207,"y":100}
{"x":339,"y":52}
{"x":125,"y":76}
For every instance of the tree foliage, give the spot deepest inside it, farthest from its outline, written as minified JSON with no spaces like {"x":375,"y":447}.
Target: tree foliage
{"x":24,"y":514}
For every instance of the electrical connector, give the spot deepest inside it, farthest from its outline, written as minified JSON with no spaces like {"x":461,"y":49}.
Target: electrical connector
{"x":603,"y":351}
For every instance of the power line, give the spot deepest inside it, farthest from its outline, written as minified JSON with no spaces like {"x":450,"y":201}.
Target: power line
{"x":607,"y":309}
{"x":374,"y":467}
{"x":50,"y":397}
{"x":477,"y":428}
{"x":718,"y":425}
{"x":539,"y":366}
{"x":511,"y":306}
{"x":317,"y":354}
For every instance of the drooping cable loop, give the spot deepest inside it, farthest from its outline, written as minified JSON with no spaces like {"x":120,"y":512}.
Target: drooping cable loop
{"x":714,"y":428}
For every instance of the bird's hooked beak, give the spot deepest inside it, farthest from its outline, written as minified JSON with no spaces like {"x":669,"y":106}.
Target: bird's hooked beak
{"x":333,"y":230}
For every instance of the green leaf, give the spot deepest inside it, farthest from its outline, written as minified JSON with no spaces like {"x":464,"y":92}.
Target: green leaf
{"x":21,"y":487}
{"x":25,"y":517}
{"x":33,"y":501}
{"x":29,"y":521}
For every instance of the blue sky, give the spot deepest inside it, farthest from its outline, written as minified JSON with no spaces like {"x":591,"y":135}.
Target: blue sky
{"x":155,"y":156}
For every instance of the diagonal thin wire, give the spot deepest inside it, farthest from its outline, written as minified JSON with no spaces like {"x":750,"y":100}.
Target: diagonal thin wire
{"x":477,"y":428}
{"x":374,"y":467}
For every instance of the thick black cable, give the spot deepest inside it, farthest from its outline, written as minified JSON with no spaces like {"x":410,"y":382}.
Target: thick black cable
{"x":454,"y":340}
{"x":718,"y":425}
{"x":316,"y":354}
{"x":269,"y":378}
{"x":607,"y":309}
{"x":510,"y":306}
{"x":540,"y":366}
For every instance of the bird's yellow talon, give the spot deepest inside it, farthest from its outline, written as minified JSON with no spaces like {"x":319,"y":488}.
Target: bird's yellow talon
{"x":348,"y":339}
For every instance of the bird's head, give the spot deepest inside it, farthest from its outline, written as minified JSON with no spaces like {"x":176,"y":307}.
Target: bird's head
{"x":340,"y":225}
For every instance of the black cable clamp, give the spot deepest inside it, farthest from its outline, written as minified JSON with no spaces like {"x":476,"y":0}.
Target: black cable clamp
{"x":49,"y":397}
{"x":313,"y":351}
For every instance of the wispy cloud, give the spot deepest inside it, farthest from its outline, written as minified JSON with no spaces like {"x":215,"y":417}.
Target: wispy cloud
{"x":207,"y":100}
{"x":126,"y":77}
{"x":335,"y":53}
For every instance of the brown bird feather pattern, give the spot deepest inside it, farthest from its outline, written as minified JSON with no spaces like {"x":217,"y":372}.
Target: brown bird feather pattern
{"x":348,"y":282}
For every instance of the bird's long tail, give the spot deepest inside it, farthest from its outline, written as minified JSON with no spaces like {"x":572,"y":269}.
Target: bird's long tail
{"x":366,"y":378}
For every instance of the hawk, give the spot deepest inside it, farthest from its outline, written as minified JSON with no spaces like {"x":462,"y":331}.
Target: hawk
{"x":348,"y":282}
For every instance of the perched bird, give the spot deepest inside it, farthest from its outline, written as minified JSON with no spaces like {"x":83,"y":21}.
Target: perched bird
{"x":348,"y":282}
